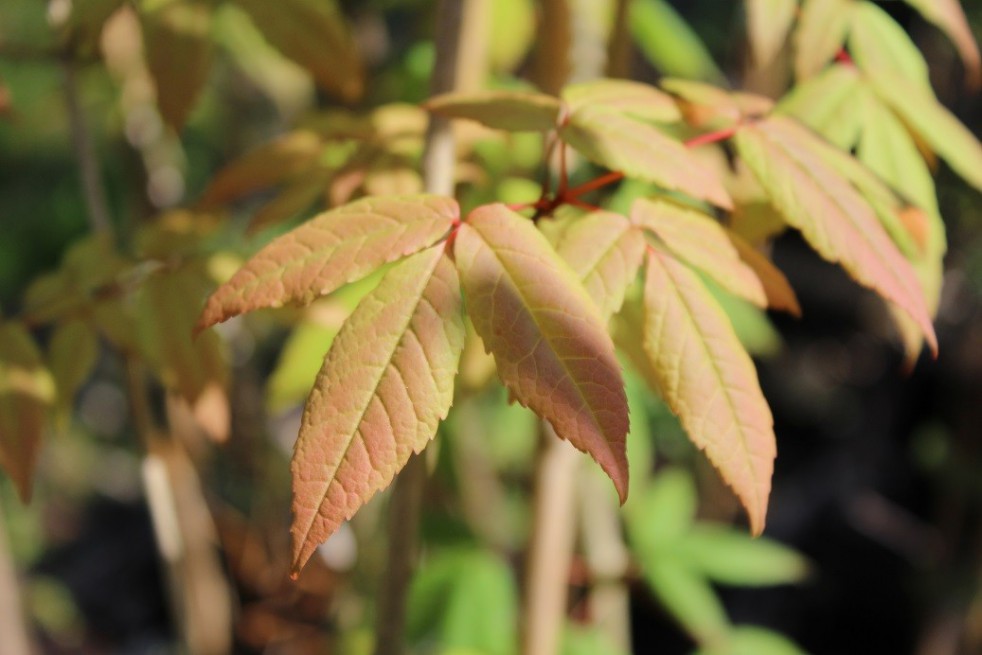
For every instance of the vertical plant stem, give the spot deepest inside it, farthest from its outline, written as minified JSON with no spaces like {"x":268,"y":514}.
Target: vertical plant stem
{"x":88,"y":164}
{"x":439,"y":159}
{"x":13,"y":626}
{"x":550,"y":549}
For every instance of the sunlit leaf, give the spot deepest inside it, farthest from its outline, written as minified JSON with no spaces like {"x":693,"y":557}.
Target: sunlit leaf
{"x":605,"y":251}
{"x":830,"y":213}
{"x":669,"y":43}
{"x":512,"y":33}
{"x":72,"y":355}
{"x":266,"y":166}
{"x":177,"y":40}
{"x":935,"y":125}
{"x":711,"y":107}
{"x":641,"y":101}
{"x":385,"y":385}
{"x":330,"y":250}
{"x":950,"y":17}
{"x":768,"y":24}
{"x":26,"y":393}
{"x":828,"y":103}
{"x":548,"y":339}
{"x":701,"y":241}
{"x":709,"y":381}
{"x":822,"y":29}
{"x":515,"y":111}
{"x":313,"y":33}
{"x":730,"y":557}
{"x":639,"y":150}
{"x":879,"y":45}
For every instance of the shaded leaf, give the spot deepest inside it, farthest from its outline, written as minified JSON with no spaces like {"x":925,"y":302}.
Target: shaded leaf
{"x":637,"y":100}
{"x":548,"y":339}
{"x":701,"y":241}
{"x":830,"y":213}
{"x":464,"y":599}
{"x":751,"y":640}
{"x":879,"y":45}
{"x":709,"y":381}
{"x":26,"y":393}
{"x":312,"y":33}
{"x":949,"y":16}
{"x":935,"y":125}
{"x":639,"y":150}
{"x":72,"y":355}
{"x":730,"y":557}
{"x":266,"y":166}
{"x":669,"y":43}
{"x":688,"y":597}
{"x":177,"y":41}
{"x":515,"y":111}
{"x":822,"y":29}
{"x":768,"y":24}
{"x":605,"y":251}
{"x":778,"y":290}
{"x":298,"y":363}
{"x":663,"y":513}
{"x":330,"y":250}
{"x":386,"y":383}
{"x":708,"y":106}
{"x":294,"y":199}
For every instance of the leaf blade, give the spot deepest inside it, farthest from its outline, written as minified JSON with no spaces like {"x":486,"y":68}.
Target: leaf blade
{"x":514,"y":111}
{"x":549,"y":342}
{"x":376,"y":401}
{"x":332,"y":249}
{"x":694,"y":353}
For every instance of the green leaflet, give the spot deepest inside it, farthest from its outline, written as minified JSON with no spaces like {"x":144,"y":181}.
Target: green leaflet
{"x":827,"y":103}
{"x":880,"y":46}
{"x":822,"y":29}
{"x":768,"y":24}
{"x":669,"y":43}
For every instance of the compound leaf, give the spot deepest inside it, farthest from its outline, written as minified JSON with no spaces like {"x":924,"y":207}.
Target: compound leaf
{"x":605,"y":251}
{"x":709,"y":380}
{"x":641,"y":151}
{"x":768,"y":24}
{"x":385,"y":385}
{"x":330,"y":250}
{"x":637,"y":100}
{"x":832,"y":216}
{"x":949,"y":16}
{"x":879,"y":45}
{"x":827,"y":104}
{"x":26,"y":392}
{"x":548,"y":339}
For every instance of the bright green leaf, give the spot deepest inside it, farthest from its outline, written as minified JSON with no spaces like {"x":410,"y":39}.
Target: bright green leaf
{"x":72,"y":355}
{"x":548,"y":339}
{"x":688,"y":597}
{"x":386,"y":383}
{"x":330,"y":250}
{"x":827,"y":103}
{"x":768,"y":24}
{"x":669,"y":43}
{"x":731,"y":557}
{"x":660,"y":514}
{"x":880,"y":46}
{"x":822,"y":29}
{"x":634,"y":99}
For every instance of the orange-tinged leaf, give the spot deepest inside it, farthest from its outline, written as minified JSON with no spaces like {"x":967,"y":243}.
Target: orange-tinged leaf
{"x":26,"y":392}
{"x":831,"y":215}
{"x":385,"y":385}
{"x":778,"y":290}
{"x":605,"y":251}
{"x":641,"y":101}
{"x":264,"y":167}
{"x":949,"y":16}
{"x":709,"y":380}
{"x":641,"y":151}
{"x":514,"y":111}
{"x":822,"y":28}
{"x":178,"y":45}
{"x":548,"y":339}
{"x":331,"y":250}
{"x":313,"y":33}
{"x":709,"y":106}
{"x":702,"y":242}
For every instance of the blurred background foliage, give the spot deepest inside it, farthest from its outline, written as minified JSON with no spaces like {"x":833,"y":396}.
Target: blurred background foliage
{"x":874,"y":540}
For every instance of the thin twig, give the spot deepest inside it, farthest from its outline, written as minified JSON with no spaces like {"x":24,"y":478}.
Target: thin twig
{"x":88,"y":164}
